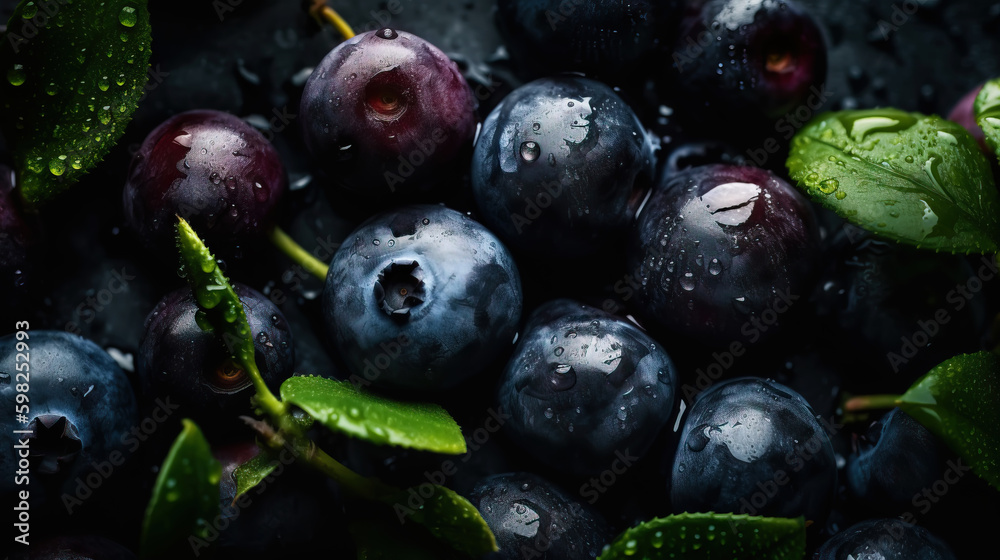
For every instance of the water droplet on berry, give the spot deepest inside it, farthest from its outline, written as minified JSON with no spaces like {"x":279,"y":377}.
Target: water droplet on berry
{"x":530,"y":151}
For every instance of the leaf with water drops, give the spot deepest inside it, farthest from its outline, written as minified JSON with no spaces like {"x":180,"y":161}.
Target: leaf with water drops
{"x":917,"y":179}
{"x":987,"y":108}
{"x":253,"y":472}
{"x":959,"y":400}
{"x":342,"y":407}
{"x":185,"y":498}
{"x":220,"y":309}
{"x":448,"y":516}
{"x":75,"y":72}
{"x":708,"y":536}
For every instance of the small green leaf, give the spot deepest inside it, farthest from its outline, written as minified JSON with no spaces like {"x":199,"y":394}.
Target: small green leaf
{"x":220,"y":308}
{"x":253,"y":472}
{"x":917,"y":179}
{"x":341,"y":406}
{"x":959,"y":400}
{"x":448,"y":516}
{"x":987,"y":108}
{"x":75,"y":72}
{"x":185,"y":498}
{"x":697,"y":536}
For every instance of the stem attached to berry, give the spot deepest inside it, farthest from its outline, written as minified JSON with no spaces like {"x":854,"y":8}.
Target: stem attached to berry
{"x":320,"y":11}
{"x":294,"y":251}
{"x":871,"y":402}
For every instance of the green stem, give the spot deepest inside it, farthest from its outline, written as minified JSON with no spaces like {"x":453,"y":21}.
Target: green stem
{"x":871,"y":402}
{"x":264,"y":397}
{"x":288,"y":246}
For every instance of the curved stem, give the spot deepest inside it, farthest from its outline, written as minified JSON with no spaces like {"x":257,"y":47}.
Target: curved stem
{"x":321,"y":11}
{"x":264,"y":397}
{"x":871,"y":402}
{"x":294,"y":251}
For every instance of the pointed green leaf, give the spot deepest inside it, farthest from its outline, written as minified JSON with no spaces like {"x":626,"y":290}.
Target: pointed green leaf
{"x":341,"y":406}
{"x":449,"y":517}
{"x":185,"y":498}
{"x":987,"y":108}
{"x":74,"y":74}
{"x":708,"y":536}
{"x":959,"y":400}
{"x":253,"y":472}
{"x":220,"y":308}
{"x":917,"y":179}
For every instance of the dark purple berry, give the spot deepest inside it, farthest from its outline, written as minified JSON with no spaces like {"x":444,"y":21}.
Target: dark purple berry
{"x":720,"y":252}
{"x":387,"y":112}
{"x":210,"y":168}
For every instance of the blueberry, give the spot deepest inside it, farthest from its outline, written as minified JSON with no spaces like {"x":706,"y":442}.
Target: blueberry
{"x":753,"y":447}
{"x":387,"y":112}
{"x":593,"y":36}
{"x":584,"y":385}
{"x":210,"y":168}
{"x":421,"y":298}
{"x":81,"y":412}
{"x":750,"y":58}
{"x":532,"y":518}
{"x":887,"y":539}
{"x":192,"y":367}
{"x":561,"y":166}
{"x":896,"y":460}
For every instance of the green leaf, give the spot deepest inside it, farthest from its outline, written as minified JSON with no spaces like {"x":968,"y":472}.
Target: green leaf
{"x":220,"y":308}
{"x":987,"y":108}
{"x":448,"y":516}
{"x":959,"y":400}
{"x":75,"y":72}
{"x":341,"y":406}
{"x":917,"y":179}
{"x":253,"y":472}
{"x":185,"y":498}
{"x":696,"y":536}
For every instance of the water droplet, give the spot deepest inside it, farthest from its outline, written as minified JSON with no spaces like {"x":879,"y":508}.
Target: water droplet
{"x":58,"y":166}
{"x":16,"y":75}
{"x":530,"y":151}
{"x":103,"y":83}
{"x":29,"y":10}
{"x":622,"y":414}
{"x":549,"y":413}
{"x":387,"y":33}
{"x":563,"y":377}
{"x":354,"y":412}
{"x":558,"y":351}
{"x":829,"y":186}
{"x":127,"y":16}
{"x":536,"y":127}
{"x":714,"y":267}
{"x":215,"y":178}
{"x":376,"y":242}
{"x":687,"y":281}
{"x":841,"y":195}
{"x":121,"y":79}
